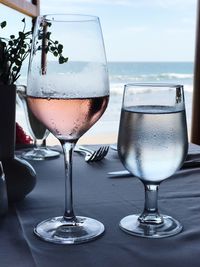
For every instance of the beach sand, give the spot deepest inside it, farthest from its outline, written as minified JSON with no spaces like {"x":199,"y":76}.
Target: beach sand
{"x":110,"y":138}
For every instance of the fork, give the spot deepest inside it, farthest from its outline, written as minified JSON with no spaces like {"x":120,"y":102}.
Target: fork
{"x":92,"y":155}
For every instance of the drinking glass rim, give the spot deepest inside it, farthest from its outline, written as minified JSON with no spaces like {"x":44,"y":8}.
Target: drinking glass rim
{"x":170,"y":85}
{"x":60,"y":17}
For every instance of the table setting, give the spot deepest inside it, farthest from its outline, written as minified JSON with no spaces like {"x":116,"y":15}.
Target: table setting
{"x":134,"y":203}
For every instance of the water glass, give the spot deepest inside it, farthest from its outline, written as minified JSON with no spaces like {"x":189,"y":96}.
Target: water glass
{"x":152,"y":145}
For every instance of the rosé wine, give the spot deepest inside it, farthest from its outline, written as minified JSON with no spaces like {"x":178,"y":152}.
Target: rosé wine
{"x":68,"y":118}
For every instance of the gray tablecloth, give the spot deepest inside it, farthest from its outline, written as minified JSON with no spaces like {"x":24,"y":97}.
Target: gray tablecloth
{"x":108,"y":200}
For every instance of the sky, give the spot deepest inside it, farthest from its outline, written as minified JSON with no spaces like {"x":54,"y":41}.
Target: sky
{"x":138,"y":30}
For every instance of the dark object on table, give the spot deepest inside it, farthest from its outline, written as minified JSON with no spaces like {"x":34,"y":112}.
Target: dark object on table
{"x":7,"y":120}
{"x":20,"y":178}
{"x":3,"y":193}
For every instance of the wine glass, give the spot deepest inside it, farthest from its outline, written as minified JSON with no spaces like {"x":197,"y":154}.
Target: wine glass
{"x":152,"y":145}
{"x":37,"y":130}
{"x":68,"y":91}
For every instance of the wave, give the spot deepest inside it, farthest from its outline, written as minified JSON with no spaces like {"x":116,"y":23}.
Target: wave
{"x":154,"y":77}
{"x":177,"y":75}
{"x":117,"y":88}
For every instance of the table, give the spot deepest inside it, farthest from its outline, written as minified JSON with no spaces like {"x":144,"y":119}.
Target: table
{"x":108,"y":200}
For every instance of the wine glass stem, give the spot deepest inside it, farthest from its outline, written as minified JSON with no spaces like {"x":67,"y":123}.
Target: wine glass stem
{"x":38,"y":143}
{"x":44,"y":142}
{"x":150,"y":213}
{"x":68,"y":149}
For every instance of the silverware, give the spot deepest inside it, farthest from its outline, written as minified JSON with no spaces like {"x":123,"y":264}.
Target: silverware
{"x":191,"y":163}
{"x":92,"y":155}
{"x":124,"y":173}
{"x":113,"y":147}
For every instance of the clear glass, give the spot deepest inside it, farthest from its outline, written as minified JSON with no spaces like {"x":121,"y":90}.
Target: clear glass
{"x":37,"y":131}
{"x":152,"y":145}
{"x":68,"y":98}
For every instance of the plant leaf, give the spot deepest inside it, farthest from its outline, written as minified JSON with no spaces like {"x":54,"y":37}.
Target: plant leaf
{"x":3,"y":24}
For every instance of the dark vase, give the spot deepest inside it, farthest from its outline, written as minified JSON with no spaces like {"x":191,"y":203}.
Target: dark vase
{"x":7,"y":121}
{"x":19,"y":174}
{"x":3,"y":193}
{"x":20,"y":178}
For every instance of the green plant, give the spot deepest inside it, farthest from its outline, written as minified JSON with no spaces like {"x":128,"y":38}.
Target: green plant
{"x":15,"y":49}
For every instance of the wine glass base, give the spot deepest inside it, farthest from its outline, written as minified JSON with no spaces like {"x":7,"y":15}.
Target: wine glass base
{"x":57,"y":230}
{"x":131,"y":225}
{"x":40,"y":154}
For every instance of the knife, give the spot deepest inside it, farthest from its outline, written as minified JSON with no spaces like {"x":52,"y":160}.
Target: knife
{"x":123,"y":173}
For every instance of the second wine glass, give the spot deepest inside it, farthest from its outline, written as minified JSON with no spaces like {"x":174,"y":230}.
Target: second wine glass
{"x":68,"y":96}
{"x":37,"y":131}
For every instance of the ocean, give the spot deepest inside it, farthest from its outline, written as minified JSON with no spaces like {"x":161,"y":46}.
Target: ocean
{"x":121,"y":73}
{"x":173,"y":72}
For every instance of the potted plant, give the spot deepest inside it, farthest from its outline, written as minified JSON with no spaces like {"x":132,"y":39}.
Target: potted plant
{"x":13,"y":52}
{"x":14,"y":49}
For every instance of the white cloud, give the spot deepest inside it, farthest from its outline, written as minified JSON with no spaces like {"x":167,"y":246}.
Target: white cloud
{"x":174,"y":3}
{"x":126,"y":34}
{"x":179,"y":31}
{"x":53,"y":6}
{"x":103,"y":2}
{"x":60,"y":6}
{"x":135,"y":29}
{"x":161,"y":3}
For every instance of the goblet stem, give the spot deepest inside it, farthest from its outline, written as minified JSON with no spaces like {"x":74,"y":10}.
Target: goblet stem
{"x":69,"y":212}
{"x":44,"y":142}
{"x":38,"y":142}
{"x":150,"y":214}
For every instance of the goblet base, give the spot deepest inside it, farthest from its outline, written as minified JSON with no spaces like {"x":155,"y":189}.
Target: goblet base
{"x":169,"y":227}
{"x":41,"y":153}
{"x":58,"y":230}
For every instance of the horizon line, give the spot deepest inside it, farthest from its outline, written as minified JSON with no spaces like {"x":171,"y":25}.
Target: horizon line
{"x":150,"y":61}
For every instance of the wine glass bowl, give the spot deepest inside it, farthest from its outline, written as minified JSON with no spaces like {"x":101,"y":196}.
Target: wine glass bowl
{"x":69,"y":118}
{"x":68,"y":91}
{"x":152,"y":145}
